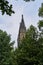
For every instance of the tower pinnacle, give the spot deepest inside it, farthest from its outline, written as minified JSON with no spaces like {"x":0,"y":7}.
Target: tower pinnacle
{"x":22,"y":30}
{"x":22,"y":16}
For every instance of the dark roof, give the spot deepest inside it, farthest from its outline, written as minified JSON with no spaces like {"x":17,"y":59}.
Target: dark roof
{"x":22,"y":24}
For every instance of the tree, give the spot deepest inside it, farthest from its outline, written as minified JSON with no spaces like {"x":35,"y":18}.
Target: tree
{"x":40,"y":23}
{"x":6,"y":49}
{"x":41,"y":11}
{"x":6,"y":8}
{"x":30,"y":51}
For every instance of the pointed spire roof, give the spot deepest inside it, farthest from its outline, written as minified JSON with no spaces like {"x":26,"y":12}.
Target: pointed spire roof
{"x":22,"y":29}
{"x":22,"y":24}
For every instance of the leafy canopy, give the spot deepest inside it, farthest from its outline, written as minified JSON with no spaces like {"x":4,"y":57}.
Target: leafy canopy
{"x":6,"y":8}
{"x":30,"y":52}
{"x":40,"y":23}
{"x":41,"y":11}
{"x":6,"y":49}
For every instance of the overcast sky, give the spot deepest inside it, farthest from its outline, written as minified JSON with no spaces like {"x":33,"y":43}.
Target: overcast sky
{"x":11,"y":24}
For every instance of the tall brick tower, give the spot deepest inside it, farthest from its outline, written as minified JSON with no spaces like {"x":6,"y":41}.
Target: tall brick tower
{"x":22,"y":31}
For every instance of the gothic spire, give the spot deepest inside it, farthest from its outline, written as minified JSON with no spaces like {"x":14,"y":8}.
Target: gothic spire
{"x":22,"y":30}
{"x":22,"y":24}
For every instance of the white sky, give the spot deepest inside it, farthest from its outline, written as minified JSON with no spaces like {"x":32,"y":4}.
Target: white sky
{"x":10,"y":24}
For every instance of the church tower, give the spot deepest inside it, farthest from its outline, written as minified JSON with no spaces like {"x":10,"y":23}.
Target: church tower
{"x":22,"y":31}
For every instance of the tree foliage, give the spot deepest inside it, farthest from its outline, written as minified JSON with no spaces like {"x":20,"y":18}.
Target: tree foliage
{"x":6,"y":49}
{"x":41,"y":11}
{"x":30,"y":51}
{"x":5,"y":7}
{"x":40,"y":23}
